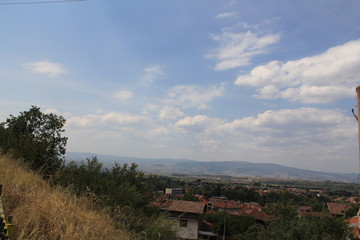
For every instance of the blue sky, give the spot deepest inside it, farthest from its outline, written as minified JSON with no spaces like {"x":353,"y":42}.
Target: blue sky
{"x":209,"y":80}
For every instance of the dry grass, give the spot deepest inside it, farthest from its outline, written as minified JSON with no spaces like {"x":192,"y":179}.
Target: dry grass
{"x":43,"y":212}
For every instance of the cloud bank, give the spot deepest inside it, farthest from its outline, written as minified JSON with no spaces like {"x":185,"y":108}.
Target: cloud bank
{"x":323,"y":78}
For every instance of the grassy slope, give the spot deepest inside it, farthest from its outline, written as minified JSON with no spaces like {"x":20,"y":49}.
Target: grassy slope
{"x":43,"y":212}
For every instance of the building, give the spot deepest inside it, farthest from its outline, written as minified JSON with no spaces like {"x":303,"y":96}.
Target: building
{"x":187,"y":217}
{"x":174,"y":191}
{"x":338,"y":209}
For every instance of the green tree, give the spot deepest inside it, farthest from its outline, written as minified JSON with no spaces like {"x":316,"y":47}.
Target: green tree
{"x":37,"y":138}
{"x":233,"y":224}
{"x":288,"y":225}
{"x":124,"y":191}
{"x":241,"y":193}
{"x":189,"y":197}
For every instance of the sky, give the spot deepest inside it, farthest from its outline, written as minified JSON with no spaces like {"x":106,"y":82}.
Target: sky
{"x":267,"y":81}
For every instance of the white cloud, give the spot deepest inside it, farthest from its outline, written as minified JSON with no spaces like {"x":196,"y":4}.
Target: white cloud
{"x":237,"y":49}
{"x":226,"y":14}
{"x":66,"y":115}
{"x":323,"y":78}
{"x":198,"y":123}
{"x":122,"y":118}
{"x":52,"y":110}
{"x":203,"y":106}
{"x":159,"y":131}
{"x":149,"y":108}
{"x":47,"y":68}
{"x":187,"y":96}
{"x":193,"y":121}
{"x":123,"y":95}
{"x":296,"y":125}
{"x":151,"y":74}
{"x":170,"y":113}
{"x":109,"y":120}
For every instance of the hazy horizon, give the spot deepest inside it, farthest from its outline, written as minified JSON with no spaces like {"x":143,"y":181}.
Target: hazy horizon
{"x":85,"y":155}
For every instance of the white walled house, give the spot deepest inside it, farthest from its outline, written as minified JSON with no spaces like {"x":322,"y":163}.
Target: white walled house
{"x":187,"y":217}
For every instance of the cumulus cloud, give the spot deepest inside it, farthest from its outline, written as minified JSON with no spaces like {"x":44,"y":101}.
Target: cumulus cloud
{"x":123,"y":95}
{"x":47,"y":68}
{"x":198,"y":123}
{"x":109,"y":119}
{"x":274,"y":133}
{"x":170,"y":113}
{"x":237,"y":49}
{"x":52,"y":110}
{"x":295,"y":126}
{"x":122,"y":118}
{"x":226,"y":14}
{"x":323,"y":78}
{"x":187,"y":96}
{"x":151,"y":74}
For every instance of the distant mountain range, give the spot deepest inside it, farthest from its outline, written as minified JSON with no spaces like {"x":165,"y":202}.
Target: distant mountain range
{"x":227,"y":168}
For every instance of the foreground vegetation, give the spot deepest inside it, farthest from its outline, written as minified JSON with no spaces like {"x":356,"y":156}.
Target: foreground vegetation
{"x":41,"y":211}
{"x":124,"y":191}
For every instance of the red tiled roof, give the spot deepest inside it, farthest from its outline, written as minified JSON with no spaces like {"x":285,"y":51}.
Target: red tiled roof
{"x":338,"y":208}
{"x":254,"y":210}
{"x":202,"y":199}
{"x":228,"y":205}
{"x":184,"y":206}
{"x":162,"y":203}
{"x":353,"y":220}
{"x":258,"y":214}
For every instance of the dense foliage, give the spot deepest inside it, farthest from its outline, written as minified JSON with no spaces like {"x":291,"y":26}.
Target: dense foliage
{"x":241,"y":193}
{"x":232,"y":225}
{"x":317,"y":204}
{"x":123,"y":185}
{"x":35,"y":137}
{"x":124,"y":190}
{"x":300,"y":228}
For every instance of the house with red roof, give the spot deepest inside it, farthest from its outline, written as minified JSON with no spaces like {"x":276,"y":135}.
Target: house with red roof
{"x":187,"y":217}
{"x":254,"y":210}
{"x":338,"y":209}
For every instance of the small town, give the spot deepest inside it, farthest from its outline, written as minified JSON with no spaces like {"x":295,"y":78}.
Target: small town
{"x":199,"y":217}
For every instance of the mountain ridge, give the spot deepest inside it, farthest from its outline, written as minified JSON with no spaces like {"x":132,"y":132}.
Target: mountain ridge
{"x":227,"y":168}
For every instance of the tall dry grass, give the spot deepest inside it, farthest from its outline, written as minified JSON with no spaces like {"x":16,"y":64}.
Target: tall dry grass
{"x":42,"y":212}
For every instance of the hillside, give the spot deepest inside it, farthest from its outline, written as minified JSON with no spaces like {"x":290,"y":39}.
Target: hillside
{"x":42,"y":212}
{"x":233,"y":168}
